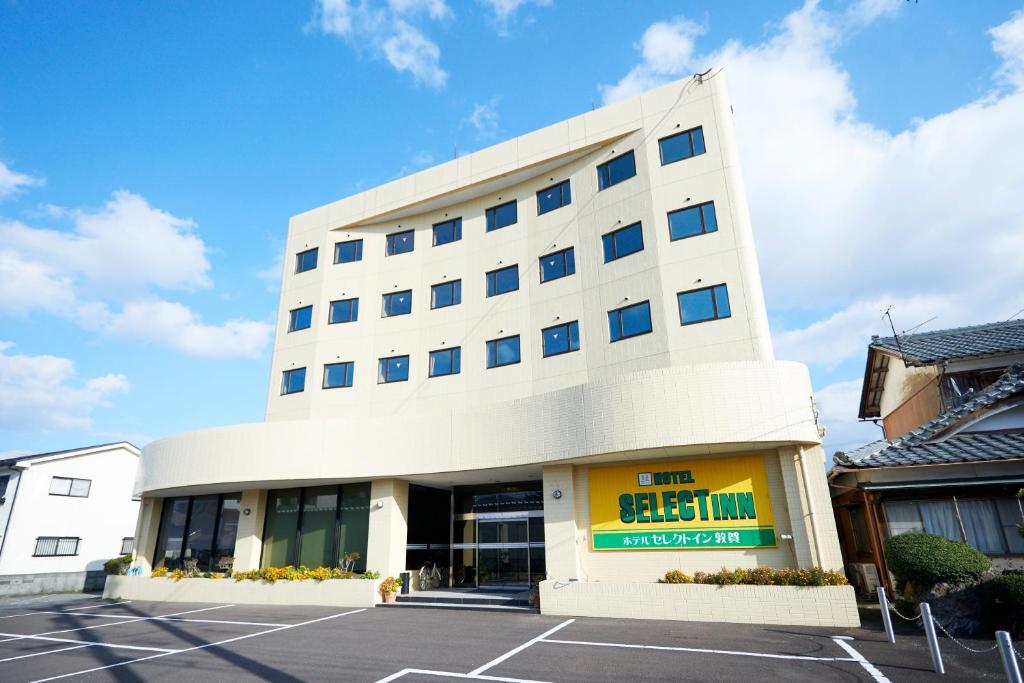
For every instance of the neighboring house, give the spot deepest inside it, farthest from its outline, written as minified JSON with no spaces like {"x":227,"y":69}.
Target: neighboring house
{"x":951,"y":404}
{"x":63,"y":514}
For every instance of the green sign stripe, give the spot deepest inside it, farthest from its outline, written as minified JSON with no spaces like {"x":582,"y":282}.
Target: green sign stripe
{"x":682,"y":539}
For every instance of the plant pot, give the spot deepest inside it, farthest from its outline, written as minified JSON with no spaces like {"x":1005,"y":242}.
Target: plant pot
{"x":390,"y":597}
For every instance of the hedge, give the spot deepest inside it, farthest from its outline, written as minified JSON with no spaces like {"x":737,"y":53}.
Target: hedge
{"x":924,"y":560}
{"x":1004,"y":603}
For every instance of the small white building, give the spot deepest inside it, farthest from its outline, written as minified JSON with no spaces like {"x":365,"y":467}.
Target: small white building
{"x":63,"y":514}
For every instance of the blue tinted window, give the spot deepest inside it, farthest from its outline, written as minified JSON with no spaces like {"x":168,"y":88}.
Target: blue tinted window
{"x":554,"y":197}
{"x":503,"y":351}
{"x":615,"y":171}
{"x":306,"y":260}
{"x":397,"y":303}
{"x":629,"y":321}
{"x":681,"y":145}
{"x":502,"y":215}
{"x":623,"y":242}
{"x":293,"y":381}
{"x":693,"y":220}
{"x":300,"y":318}
{"x":503,"y":280}
{"x":561,"y":339}
{"x":699,"y":305}
{"x":446,"y":294}
{"x":394,"y":369}
{"x":446,"y":362}
{"x":448,"y":231}
{"x":343,"y":311}
{"x":558,"y":264}
{"x":400,"y":242}
{"x":346,"y":252}
{"x":338,"y":375}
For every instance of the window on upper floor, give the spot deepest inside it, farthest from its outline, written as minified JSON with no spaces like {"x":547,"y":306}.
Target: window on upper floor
{"x":300,"y":318}
{"x":127,"y":545}
{"x":3,"y":487}
{"x":447,"y":231}
{"x":504,"y":351}
{"x":445,"y":362}
{"x":629,"y":321}
{"x":613,"y":172}
{"x":692,"y":221}
{"x":400,"y":242}
{"x":306,"y":260}
{"x":343,"y":311}
{"x":503,"y":280}
{"x":701,"y":305}
{"x":681,"y":146}
{"x":557,"y":264}
{"x":68,"y":486}
{"x":561,"y":338}
{"x":347,"y":252}
{"x":56,"y":546}
{"x":293,"y":381}
{"x":623,"y":242}
{"x":502,"y":216}
{"x":393,"y":369}
{"x":337,"y":375}
{"x":446,"y":294}
{"x":554,"y":197}
{"x":396,"y":303}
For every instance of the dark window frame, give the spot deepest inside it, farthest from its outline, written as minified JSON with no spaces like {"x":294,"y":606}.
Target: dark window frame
{"x":350,"y":371}
{"x":693,"y":153}
{"x":388,"y":296}
{"x":388,"y":374}
{"x":456,"y":225}
{"x":619,"y":311}
{"x":299,"y":260}
{"x":71,"y":486}
{"x":564,"y":196}
{"x":291,"y":318}
{"x":565,"y":264}
{"x":285,"y":374}
{"x":714,"y":304}
{"x":568,"y":333}
{"x":353,"y":309}
{"x":453,"y":351}
{"x":491,"y":216}
{"x":495,"y":342}
{"x":391,"y":241}
{"x":358,"y":247}
{"x":604,"y":171}
{"x":699,"y":208}
{"x":493,"y":274}
{"x":456,"y":286}
{"x":56,"y":546}
{"x":638,"y":225}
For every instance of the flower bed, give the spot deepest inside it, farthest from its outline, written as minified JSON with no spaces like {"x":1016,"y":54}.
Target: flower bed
{"x":269,"y":574}
{"x":760,"y":576}
{"x":255,"y":591}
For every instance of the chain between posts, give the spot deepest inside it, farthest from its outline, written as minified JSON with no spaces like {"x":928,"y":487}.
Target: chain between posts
{"x":949,"y":635}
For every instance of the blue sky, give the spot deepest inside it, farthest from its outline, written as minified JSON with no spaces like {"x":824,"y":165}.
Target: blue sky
{"x":880,"y":141}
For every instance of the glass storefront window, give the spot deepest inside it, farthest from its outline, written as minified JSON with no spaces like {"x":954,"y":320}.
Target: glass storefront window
{"x":227,"y":532}
{"x":355,"y":523}
{"x":317,"y":526}
{"x":199,"y":530}
{"x":280,"y":532}
{"x":199,"y":541}
{"x":319,"y":516}
{"x":172,"y":532}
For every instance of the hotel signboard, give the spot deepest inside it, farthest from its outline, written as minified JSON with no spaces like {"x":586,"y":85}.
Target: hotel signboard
{"x":682,"y":504}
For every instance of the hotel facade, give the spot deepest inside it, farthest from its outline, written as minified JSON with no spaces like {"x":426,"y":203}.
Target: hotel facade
{"x":544,"y":362}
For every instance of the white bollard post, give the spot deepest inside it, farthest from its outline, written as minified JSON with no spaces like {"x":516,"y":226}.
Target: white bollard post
{"x":1009,"y":659}
{"x":883,"y":602}
{"x":933,"y":641}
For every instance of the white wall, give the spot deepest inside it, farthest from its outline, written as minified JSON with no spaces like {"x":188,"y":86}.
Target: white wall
{"x":101,"y":520}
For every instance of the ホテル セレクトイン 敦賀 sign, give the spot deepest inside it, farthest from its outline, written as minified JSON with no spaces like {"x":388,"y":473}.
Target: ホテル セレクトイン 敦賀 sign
{"x":719,"y":503}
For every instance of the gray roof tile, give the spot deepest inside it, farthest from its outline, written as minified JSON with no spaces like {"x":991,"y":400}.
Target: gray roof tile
{"x":929,"y":348}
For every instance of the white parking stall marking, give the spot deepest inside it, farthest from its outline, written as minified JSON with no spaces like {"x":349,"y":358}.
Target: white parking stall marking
{"x":452,"y":674}
{"x":47,"y":652}
{"x":514,"y":651}
{"x":191,"y":621}
{"x":700,"y":650}
{"x":106,"y":604}
{"x":92,"y":643}
{"x":860,"y":659}
{"x":129,"y":620}
{"x":200,"y":647}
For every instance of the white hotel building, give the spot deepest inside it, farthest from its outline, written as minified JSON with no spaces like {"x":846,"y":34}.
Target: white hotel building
{"x":548,"y":359}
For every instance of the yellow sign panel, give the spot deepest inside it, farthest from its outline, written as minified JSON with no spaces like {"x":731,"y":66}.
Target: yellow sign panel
{"x":682,"y":504}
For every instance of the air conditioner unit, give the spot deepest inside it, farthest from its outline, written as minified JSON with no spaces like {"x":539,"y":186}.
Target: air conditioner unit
{"x":864,"y":576}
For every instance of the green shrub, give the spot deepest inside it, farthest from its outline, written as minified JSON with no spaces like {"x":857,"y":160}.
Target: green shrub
{"x":114,"y":566}
{"x":675,"y":576}
{"x":1004,"y":603}
{"x":924,"y":560}
{"x":760,"y":576}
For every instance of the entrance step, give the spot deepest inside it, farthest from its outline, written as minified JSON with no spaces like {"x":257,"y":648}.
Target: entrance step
{"x":517,"y":599}
{"x":461,"y":606}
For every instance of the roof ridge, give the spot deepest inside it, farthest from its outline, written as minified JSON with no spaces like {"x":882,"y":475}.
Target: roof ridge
{"x":950,"y":331}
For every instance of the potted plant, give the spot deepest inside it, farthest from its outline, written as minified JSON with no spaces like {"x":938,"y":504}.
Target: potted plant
{"x":389,"y":589}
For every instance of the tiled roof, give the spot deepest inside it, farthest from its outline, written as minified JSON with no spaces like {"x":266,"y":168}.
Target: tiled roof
{"x":922,"y":446}
{"x":928,"y":348}
{"x":13,"y":460}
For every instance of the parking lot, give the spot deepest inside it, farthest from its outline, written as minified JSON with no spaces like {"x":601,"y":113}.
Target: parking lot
{"x":90,"y":639}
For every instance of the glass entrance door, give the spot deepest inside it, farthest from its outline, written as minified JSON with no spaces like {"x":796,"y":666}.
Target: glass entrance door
{"x":503,"y":553}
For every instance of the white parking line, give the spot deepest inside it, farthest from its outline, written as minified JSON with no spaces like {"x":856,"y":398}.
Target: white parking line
{"x":200,"y":647}
{"x":47,"y":652}
{"x":859,"y":658}
{"x":452,"y":674}
{"x":106,"y":604}
{"x":700,"y":650}
{"x":130,"y":620}
{"x":498,"y":660}
{"x":191,"y":621}
{"x":93,"y":643}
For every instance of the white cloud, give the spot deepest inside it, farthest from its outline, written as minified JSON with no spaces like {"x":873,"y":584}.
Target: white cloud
{"x":1008,"y":43}
{"x":505,"y":10}
{"x":39,"y":392}
{"x":485,"y":119}
{"x":384,"y":31}
{"x":11,"y":181}
{"x":838,"y":405}
{"x":667,"y":51}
